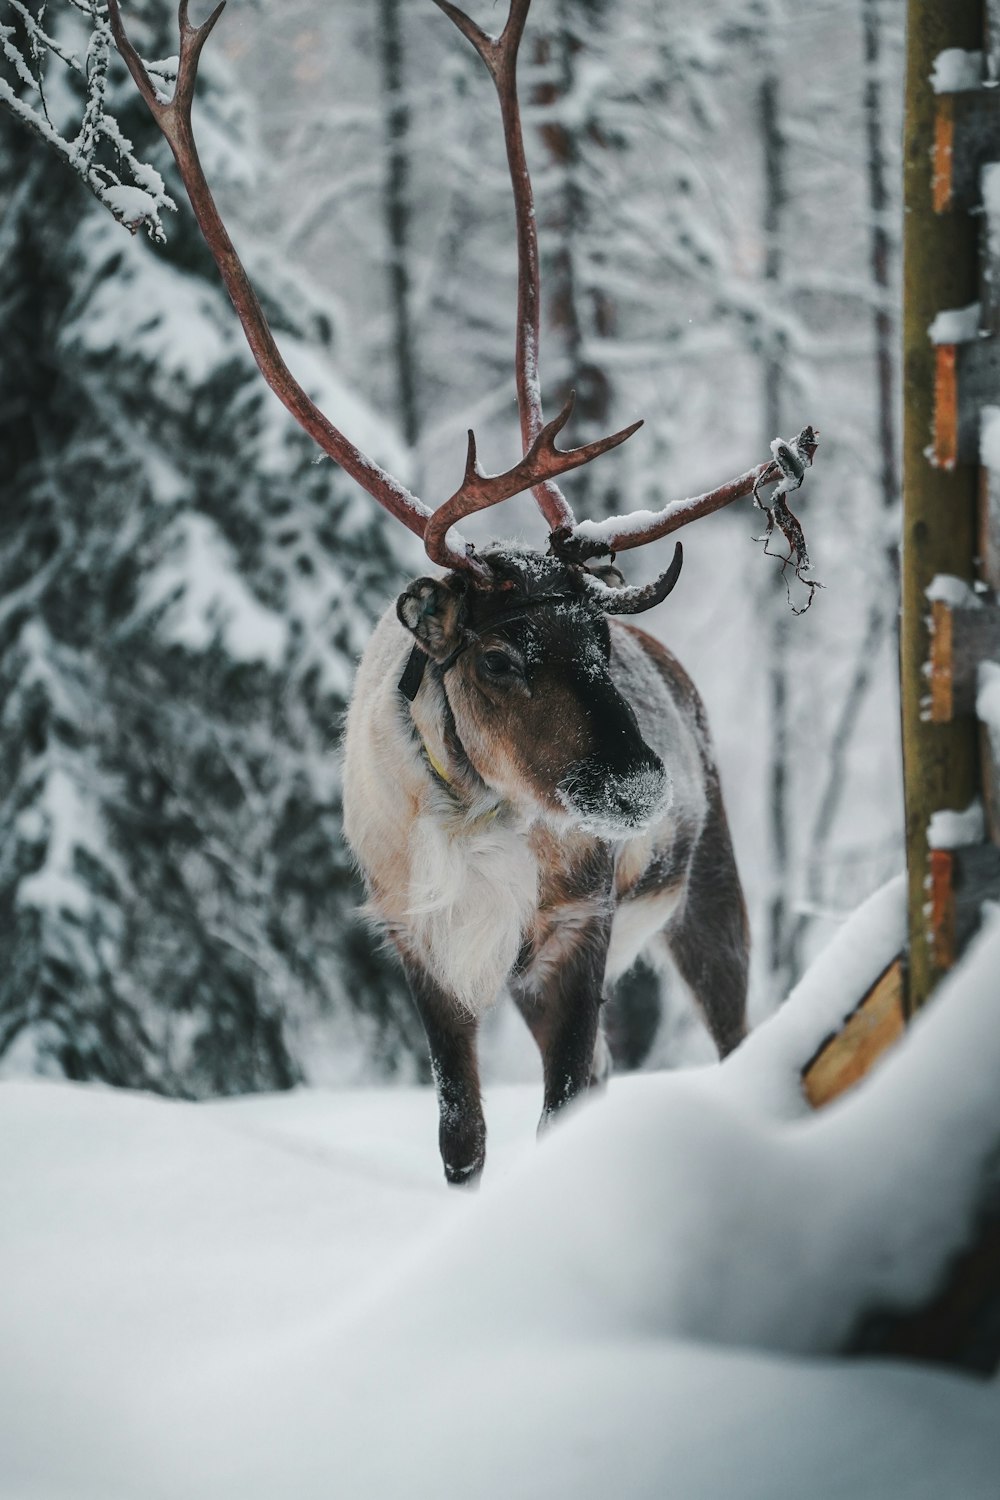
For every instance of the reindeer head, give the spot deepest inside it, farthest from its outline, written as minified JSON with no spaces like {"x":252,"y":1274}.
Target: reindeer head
{"x":525,"y":667}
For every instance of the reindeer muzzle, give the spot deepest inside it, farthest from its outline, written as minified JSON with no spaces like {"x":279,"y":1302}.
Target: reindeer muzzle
{"x":616,"y":803}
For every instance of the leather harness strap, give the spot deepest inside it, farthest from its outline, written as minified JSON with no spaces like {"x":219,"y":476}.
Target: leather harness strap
{"x":416,"y":662}
{"x":409,"y":686}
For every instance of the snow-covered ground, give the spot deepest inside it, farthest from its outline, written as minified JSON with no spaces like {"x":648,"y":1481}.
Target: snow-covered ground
{"x":277,"y":1296}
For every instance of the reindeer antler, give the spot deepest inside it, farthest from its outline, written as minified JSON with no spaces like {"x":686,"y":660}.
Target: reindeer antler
{"x":500,"y":57}
{"x":538,"y":466}
{"x":620,"y":533}
{"x":569,"y":540}
{"x":542,"y":461}
{"x":479,"y":490}
{"x":173,"y":116}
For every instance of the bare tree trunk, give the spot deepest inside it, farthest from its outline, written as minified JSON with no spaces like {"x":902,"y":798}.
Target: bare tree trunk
{"x":881,"y":254}
{"x":571,"y":317}
{"x":880,"y":616}
{"x":397,"y":212}
{"x":840,"y":744}
{"x":782,"y":932}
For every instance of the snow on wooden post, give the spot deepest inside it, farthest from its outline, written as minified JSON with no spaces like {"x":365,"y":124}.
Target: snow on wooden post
{"x":943,"y":129}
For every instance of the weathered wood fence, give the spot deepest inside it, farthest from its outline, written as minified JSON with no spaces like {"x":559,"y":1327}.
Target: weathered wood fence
{"x":950,"y":628}
{"x":950,"y":624}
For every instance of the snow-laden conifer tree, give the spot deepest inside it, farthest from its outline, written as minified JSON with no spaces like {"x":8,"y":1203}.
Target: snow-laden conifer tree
{"x":184,"y":591}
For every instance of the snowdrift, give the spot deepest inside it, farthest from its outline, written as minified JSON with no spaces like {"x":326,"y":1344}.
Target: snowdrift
{"x":275,"y":1296}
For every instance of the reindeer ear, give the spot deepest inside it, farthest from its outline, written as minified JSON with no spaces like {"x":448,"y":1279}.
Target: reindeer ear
{"x":433,"y":610}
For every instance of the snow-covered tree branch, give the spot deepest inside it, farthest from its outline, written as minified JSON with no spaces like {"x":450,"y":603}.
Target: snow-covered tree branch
{"x":55,"y":82}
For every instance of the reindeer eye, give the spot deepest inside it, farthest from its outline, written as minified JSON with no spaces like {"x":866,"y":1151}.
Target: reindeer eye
{"x":497,"y":663}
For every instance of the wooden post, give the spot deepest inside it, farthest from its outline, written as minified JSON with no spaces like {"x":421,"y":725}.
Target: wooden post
{"x":939,"y":503}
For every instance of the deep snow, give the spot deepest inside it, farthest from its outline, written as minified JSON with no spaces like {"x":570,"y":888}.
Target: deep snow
{"x":276,"y":1296}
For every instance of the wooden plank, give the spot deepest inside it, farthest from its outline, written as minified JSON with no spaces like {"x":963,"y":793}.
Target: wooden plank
{"x":945,"y":406}
{"x":940,"y":913}
{"x":977,"y":379}
{"x":960,"y":640}
{"x":966,"y":378}
{"x":873,"y":1027}
{"x":942,"y":700}
{"x":943,"y":154}
{"x":960,"y":880}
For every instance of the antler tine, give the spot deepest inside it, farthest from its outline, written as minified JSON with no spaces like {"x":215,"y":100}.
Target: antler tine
{"x":193,"y":39}
{"x":174,"y":119}
{"x":634,"y":601}
{"x":134,"y":62}
{"x":500,"y":57}
{"x":484,"y":44}
{"x":543,"y":460}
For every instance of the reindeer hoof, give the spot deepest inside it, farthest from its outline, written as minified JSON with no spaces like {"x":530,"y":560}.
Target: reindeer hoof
{"x":462,"y":1143}
{"x":464,"y":1177}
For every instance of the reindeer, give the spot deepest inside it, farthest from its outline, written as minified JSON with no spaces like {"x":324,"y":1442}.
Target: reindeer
{"x":529,"y":785}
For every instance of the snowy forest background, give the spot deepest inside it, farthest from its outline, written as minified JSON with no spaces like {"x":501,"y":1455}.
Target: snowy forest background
{"x":184,"y":589}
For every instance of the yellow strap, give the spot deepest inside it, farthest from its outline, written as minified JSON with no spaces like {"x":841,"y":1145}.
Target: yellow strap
{"x":439,"y":770}
{"x":436,"y":765}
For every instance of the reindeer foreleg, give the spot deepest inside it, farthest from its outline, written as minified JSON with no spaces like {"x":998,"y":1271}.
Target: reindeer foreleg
{"x":559,"y":993}
{"x":451,"y":1036}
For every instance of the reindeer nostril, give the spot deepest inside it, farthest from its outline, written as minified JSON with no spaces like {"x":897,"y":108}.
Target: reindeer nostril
{"x":619,"y":800}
